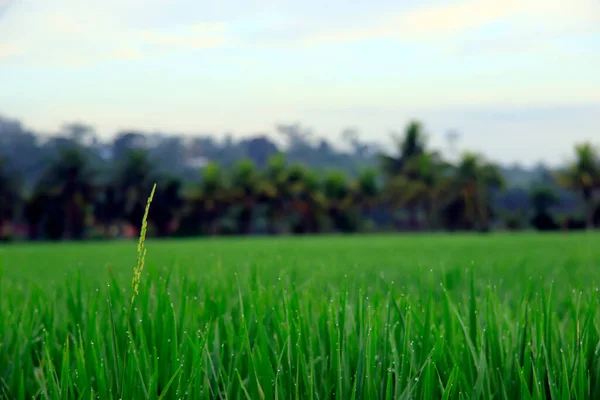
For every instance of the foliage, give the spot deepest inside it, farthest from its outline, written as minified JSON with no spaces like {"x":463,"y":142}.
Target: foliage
{"x":9,"y":197}
{"x":583,"y":175}
{"x":542,"y":199}
{"x":68,"y":181}
{"x":475,"y":178}
{"x":304,"y":318}
{"x":81,"y":187}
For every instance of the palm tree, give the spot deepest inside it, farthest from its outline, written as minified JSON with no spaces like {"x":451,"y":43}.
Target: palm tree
{"x":473,"y":182}
{"x":304,"y":199}
{"x":244,"y":193}
{"x":338,"y":194}
{"x":69,"y":180}
{"x":166,"y":205}
{"x":35,"y":207}
{"x":208,"y":201}
{"x":413,"y":144}
{"x":583,"y":175}
{"x":366,"y":190}
{"x":542,"y":198}
{"x":425,"y":181}
{"x":431,"y":185}
{"x":401,"y":192}
{"x":272,"y":190}
{"x":134,"y":181}
{"x":9,"y":196}
{"x":403,"y":187}
{"x":108,"y":209}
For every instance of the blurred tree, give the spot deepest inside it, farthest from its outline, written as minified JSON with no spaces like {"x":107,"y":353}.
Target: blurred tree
{"x":273,"y":191}
{"x":432,"y":182}
{"x":9,"y":199}
{"x":360,"y":149}
{"x":298,"y":138}
{"x":207,"y":202}
{"x":366,"y":190}
{"x":108,"y":209}
{"x":404,"y":186}
{"x":69,"y":182}
{"x":413,"y":182}
{"x":542,"y":199}
{"x":168,"y":155}
{"x":79,"y":133}
{"x":166,"y":206}
{"x":34,"y":211}
{"x":411,"y":145}
{"x":474,"y":179}
{"x":126,"y":142}
{"x":21,"y":151}
{"x":402,"y":193}
{"x":583,"y":175}
{"x":339,"y":200}
{"x":244,"y":193}
{"x":135,"y":176}
{"x":304,"y":201}
{"x":259,"y":149}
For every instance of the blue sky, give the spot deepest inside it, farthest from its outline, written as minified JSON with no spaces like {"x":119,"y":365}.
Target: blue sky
{"x":518,"y":79}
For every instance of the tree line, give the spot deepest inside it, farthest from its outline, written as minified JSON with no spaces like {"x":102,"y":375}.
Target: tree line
{"x":79,"y":190}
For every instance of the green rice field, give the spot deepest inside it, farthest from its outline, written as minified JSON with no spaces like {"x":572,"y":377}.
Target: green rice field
{"x":333,"y":317}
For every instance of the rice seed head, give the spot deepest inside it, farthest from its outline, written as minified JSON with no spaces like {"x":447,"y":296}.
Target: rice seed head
{"x":141,"y":250}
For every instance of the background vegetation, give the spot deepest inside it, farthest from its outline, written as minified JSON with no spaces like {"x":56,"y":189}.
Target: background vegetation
{"x":73,"y":185}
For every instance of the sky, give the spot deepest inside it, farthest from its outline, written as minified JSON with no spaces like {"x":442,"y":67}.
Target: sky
{"x":518,"y":79}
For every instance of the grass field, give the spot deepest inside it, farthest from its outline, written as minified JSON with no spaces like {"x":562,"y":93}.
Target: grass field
{"x":386,"y":317}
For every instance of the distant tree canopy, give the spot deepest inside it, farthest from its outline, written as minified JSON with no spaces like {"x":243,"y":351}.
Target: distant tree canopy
{"x":74,"y":185}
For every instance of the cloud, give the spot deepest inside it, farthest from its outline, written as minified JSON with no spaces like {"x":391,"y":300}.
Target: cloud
{"x":8,"y":50}
{"x":70,"y":33}
{"x":455,"y":17}
{"x":193,"y":37}
{"x":78,"y":36}
{"x":444,"y":22}
{"x":526,"y":40}
{"x":5,"y":3}
{"x":126,"y":53}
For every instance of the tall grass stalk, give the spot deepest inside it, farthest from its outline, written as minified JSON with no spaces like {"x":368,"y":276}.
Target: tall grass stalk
{"x":141,"y":250}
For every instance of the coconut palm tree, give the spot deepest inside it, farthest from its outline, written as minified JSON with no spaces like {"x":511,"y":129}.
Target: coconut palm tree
{"x":9,"y":196}
{"x":366,"y":190}
{"x":542,"y":198}
{"x":411,"y":145}
{"x":166,"y":205}
{"x":424,"y":182}
{"x":69,"y":180}
{"x":304,"y":200}
{"x":273,"y":190}
{"x":473,"y":182}
{"x":432,"y":183}
{"x":403,"y":187}
{"x":208,"y":202}
{"x":135,"y":177}
{"x":340,"y":201}
{"x":400,"y":192}
{"x":108,"y":209}
{"x":244,"y":193}
{"x":583,"y":175}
